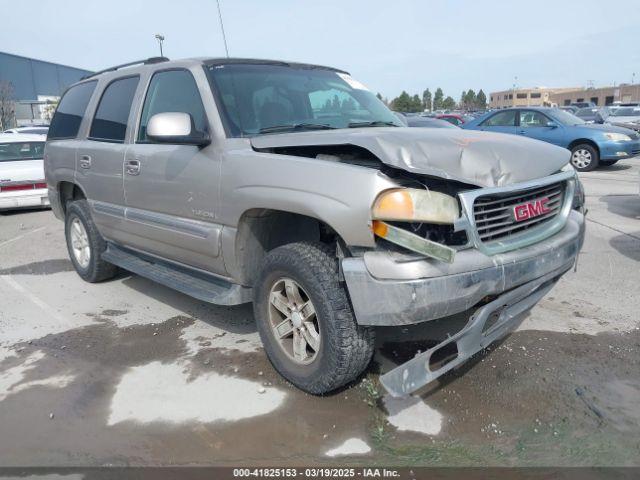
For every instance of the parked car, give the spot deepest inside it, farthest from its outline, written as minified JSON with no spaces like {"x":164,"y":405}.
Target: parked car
{"x":293,"y":187}
{"x":628,"y":117}
{"x":33,"y":130}
{"x":428,"y":122}
{"x":590,"y":144}
{"x":593,"y":114}
{"x":453,"y":118}
{"x":569,"y":108}
{"x":22,"y":183}
{"x":583,"y":104}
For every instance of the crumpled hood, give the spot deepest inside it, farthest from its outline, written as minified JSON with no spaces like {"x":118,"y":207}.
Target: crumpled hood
{"x":485,"y":159}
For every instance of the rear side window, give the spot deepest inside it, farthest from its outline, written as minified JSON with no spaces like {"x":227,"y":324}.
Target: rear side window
{"x":110,"y":121}
{"x":13,"y":151}
{"x":502,"y":119}
{"x":66,"y":121}
{"x":172,"y":91}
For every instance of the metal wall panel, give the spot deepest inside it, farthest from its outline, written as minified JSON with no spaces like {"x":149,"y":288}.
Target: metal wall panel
{"x":31,"y":77}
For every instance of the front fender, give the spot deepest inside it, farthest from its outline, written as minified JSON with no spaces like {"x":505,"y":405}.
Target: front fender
{"x":338,"y":194}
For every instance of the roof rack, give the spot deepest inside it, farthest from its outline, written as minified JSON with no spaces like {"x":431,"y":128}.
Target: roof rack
{"x":147,"y":61}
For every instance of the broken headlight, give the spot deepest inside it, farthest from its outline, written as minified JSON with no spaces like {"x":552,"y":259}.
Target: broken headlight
{"x":578,"y":193}
{"x":414,"y":205}
{"x":410,"y":206}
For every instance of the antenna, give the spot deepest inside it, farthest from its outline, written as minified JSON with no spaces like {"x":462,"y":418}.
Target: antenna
{"x":224,"y":37}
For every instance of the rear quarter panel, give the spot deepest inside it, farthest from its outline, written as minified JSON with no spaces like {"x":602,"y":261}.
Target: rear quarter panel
{"x":59,"y":166}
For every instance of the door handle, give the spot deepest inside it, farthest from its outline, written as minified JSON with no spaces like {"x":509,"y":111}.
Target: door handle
{"x":85,"y":161}
{"x":132,"y":167}
{"x":523,"y":132}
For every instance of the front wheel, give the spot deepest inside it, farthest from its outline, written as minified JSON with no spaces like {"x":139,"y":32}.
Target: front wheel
{"x":305,"y":319}
{"x":584,"y":157}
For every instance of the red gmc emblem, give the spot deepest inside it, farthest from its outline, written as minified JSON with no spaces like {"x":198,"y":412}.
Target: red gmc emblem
{"x":532,"y":209}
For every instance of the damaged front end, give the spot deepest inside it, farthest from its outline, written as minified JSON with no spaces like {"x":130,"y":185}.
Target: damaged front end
{"x":512,"y":245}
{"x":470,"y":223}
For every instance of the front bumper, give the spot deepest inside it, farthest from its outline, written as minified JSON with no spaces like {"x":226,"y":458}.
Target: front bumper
{"x":24,"y":199}
{"x":617,"y":150}
{"x":390,"y":291}
{"x":485,"y":326}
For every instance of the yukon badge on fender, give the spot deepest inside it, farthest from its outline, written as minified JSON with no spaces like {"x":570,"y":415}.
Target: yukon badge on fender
{"x":293,"y":187}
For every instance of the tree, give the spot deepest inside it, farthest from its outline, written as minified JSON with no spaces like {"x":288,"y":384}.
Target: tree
{"x":469,"y":99}
{"x":416,"y":104}
{"x":449,"y":103}
{"x":7,"y":106}
{"x":481,"y":100}
{"x":49,"y":109}
{"x":437,"y":99}
{"x":402,"y":103}
{"x":426,"y":100}
{"x":463,"y":99}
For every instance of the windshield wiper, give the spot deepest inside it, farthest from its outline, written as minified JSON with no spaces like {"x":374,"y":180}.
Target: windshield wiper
{"x":375,"y":123}
{"x":296,"y":126}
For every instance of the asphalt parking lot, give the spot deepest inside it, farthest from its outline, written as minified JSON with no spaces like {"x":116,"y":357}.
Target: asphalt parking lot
{"x":128,"y":372}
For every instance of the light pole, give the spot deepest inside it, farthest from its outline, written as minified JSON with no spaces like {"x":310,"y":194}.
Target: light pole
{"x":160,"y":39}
{"x":513,"y":94}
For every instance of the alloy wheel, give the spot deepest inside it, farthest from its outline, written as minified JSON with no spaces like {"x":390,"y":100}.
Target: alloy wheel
{"x":80,"y":243}
{"x":293,"y":321}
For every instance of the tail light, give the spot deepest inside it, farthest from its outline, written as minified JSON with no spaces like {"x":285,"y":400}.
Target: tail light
{"x":23,"y":186}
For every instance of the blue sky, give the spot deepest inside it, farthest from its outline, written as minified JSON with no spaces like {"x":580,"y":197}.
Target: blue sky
{"x":388,"y":45}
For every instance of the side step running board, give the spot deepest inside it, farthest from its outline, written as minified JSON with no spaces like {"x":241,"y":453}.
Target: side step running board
{"x":194,"y":283}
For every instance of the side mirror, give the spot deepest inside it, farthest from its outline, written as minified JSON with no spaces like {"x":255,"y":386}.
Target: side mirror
{"x":177,"y":128}
{"x":552,"y":124}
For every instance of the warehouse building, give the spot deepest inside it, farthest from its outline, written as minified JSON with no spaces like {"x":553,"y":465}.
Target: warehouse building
{"x":33,"y":85}
{"x":624,"y":93}
{"x":525,"y":97}
{"x":549,"y":96}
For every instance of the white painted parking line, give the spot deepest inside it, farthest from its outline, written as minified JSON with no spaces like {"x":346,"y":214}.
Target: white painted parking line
{"x":49,"y":310}
{"x":20,"y":237}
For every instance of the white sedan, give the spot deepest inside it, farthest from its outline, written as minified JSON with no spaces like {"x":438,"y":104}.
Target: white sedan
{"x":22,"y":183}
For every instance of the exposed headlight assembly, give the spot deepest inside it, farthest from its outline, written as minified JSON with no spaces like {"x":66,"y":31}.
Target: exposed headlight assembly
{"x":413,"y":205}
{"x":618,"y":137}
{"x":578,"y":193}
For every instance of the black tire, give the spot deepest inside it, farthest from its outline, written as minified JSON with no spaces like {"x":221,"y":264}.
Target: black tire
{"x":345,"y":348}
{"x":595,"y":157}
{"x":608,"y":163}
{"x":97,"y":269}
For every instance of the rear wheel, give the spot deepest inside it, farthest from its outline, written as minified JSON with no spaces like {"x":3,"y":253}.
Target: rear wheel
{"x":584,"y":157}
{"x":85,"y":244}
{"x":305,"y":319}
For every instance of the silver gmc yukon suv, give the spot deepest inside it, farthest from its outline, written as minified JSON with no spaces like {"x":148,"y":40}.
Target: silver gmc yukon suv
{"x":293,"y":187}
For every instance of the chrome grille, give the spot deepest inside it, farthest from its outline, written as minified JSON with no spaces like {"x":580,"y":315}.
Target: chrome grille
{"x":494,"y":217}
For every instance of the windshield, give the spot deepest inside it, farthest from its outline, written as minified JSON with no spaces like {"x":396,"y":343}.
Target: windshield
{"x":567,"y":118}
{"x":261,"y":99}
{"x":10,"y":152}
{"x":626,"y":112}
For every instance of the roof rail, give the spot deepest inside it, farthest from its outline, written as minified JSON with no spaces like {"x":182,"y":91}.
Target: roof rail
{"x":146,"y":61}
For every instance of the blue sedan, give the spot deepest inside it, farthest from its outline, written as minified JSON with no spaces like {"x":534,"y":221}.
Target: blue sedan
{"x":590,"y":144}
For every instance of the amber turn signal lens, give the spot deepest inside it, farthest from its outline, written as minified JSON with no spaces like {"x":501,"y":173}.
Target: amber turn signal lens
{"x":380,"y":228}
